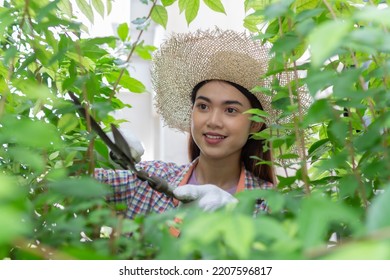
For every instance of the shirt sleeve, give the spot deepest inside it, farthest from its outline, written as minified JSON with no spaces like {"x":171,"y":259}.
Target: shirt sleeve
{"x":132,"y":196}
{"x":123,"y":182}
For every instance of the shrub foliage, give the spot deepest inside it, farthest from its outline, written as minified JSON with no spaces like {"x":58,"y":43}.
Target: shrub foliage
{"x":334,"y":158}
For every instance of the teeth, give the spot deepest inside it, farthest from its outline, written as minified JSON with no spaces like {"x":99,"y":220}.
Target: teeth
{"x":215,"y":137}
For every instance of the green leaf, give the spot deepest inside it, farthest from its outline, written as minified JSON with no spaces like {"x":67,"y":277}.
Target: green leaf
{"x":277,"y":9}
{"x":6,"y":19}
{"x":288,"y":156}
{"x":348,"y":185}
{"x":101,"y":148}
{"x":30,"y":133}
{"x":167,"y":2}
{"x":369,"y":39}
{"x":192,"y":10}
{"x":337,"y":132}
{"x":368,"y":140}
{"x":252,"y":20}
{"x":215,"y":5}
{"x":123,"y":31}
{"x":236,"y":229}
{"x":371,"y":15}
{"x":86,"y":44}
{"x":145,"y":52}
{"x":317,"y":145}
{"x":84,"y":187}
{"x":3,"y":70}
{"x":132,"y":84}
{"x":257,"y":112}
{"x":65,"y":6}
{"x":160,"y":15}
{"x":83,"y":60}
{"x":275,"y":230}
{"x":378,"y":212}
{"x":13,"y":220}
{"x":287,"y":43}
{"x":27,"y":157}
{"x":307,"y":14}
{"x":33,"y":90}
{"x":128,"y":82}
{"x":10,"y":189}
{"x":318,"y":213}
{"x":183,"y":5}
{"x":44,"y":11}
{"x":302,"y":5}
{"x":99,"y":7}
{"x":67,"y":123}
{"x":274,"y":199}
{"x":360,"y":250}
{"x":239,"y":235}
{"x":12,"y":223}
{"x":285,"y":181}
{"x":109,"y":6}
{"x":256,"y":4}
{"x":320,"y":80}
{"x":86,"y":9}
{"x":319,"y":111}
{"x":257,"y":119}
{"x":324,"y":46}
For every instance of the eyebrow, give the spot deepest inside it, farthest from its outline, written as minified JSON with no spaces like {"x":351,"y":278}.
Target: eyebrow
{"x":227,"y":102}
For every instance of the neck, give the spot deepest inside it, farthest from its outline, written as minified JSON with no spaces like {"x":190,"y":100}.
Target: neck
{"x":223,"y":173}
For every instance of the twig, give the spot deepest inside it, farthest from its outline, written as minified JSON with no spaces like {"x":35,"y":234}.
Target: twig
{"x":131,"y":51}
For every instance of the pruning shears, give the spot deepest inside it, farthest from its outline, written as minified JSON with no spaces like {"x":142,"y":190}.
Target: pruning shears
{"x":121,"y":151}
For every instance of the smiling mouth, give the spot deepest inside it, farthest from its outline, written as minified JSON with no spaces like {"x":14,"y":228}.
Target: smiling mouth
{"x":214,"y":136}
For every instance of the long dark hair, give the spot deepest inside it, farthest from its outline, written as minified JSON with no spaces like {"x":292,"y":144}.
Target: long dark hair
{"x":251,"y":148}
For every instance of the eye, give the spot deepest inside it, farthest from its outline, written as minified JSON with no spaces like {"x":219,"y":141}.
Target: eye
{"x":231,"y":110}
{"x":202,"y":106}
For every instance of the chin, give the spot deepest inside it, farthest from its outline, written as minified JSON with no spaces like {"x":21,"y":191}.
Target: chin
{"x":214,"y":156}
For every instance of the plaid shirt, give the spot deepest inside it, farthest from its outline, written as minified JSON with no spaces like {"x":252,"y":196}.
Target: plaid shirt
{"x":139,"y":198}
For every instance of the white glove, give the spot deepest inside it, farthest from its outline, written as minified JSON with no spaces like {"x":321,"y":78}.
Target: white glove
{"x":136,"y":148}
{"x":207,"y":197}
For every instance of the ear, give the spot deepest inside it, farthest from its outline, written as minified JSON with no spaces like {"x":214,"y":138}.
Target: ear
{"x":256,"y":126}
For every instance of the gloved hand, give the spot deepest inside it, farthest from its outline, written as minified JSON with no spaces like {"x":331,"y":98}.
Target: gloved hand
{"x":207,"y":197}
{"x":136,"y":148}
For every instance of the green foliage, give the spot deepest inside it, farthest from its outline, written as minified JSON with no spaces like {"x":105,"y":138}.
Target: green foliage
{"x":46,"y":151}
{"x":215,"y":5}
{"x":333,"y":159}
{"x":189,"y":7}
{"x":342,"y":141}
{"x":160,"y":15}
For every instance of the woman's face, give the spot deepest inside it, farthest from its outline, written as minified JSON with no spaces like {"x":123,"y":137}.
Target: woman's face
{"x":219,"y":127}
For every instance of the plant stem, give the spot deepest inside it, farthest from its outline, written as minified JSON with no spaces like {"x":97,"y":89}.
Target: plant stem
{"x":134,"y":45}
{"x":353,"y":161}
{"x":300,"y":134}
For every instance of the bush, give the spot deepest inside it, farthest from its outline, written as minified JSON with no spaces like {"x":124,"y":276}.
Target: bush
{"x":337,"y":150}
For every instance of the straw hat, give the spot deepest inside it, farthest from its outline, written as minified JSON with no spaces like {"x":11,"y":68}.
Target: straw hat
{"x":185,"y":60}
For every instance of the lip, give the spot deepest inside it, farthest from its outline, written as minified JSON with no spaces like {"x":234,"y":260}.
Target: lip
{"x":213,"y":138}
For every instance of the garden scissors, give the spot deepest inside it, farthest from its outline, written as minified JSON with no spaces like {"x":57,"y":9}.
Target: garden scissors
{"x":121,"y":151}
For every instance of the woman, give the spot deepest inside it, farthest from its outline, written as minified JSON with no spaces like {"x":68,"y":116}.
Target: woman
{"x":202,"y":82}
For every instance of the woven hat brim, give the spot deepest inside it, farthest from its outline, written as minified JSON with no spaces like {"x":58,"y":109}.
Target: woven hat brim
{"x":185,"y":60}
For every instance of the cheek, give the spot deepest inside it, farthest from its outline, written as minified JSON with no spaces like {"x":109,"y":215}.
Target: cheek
{"x":193,"y":121}
{"x":197,"y":120}
{"x":241,"y":126}
{"x":242,"y":130}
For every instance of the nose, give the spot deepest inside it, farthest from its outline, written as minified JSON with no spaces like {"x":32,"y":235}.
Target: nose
{"x":215,"y":119}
